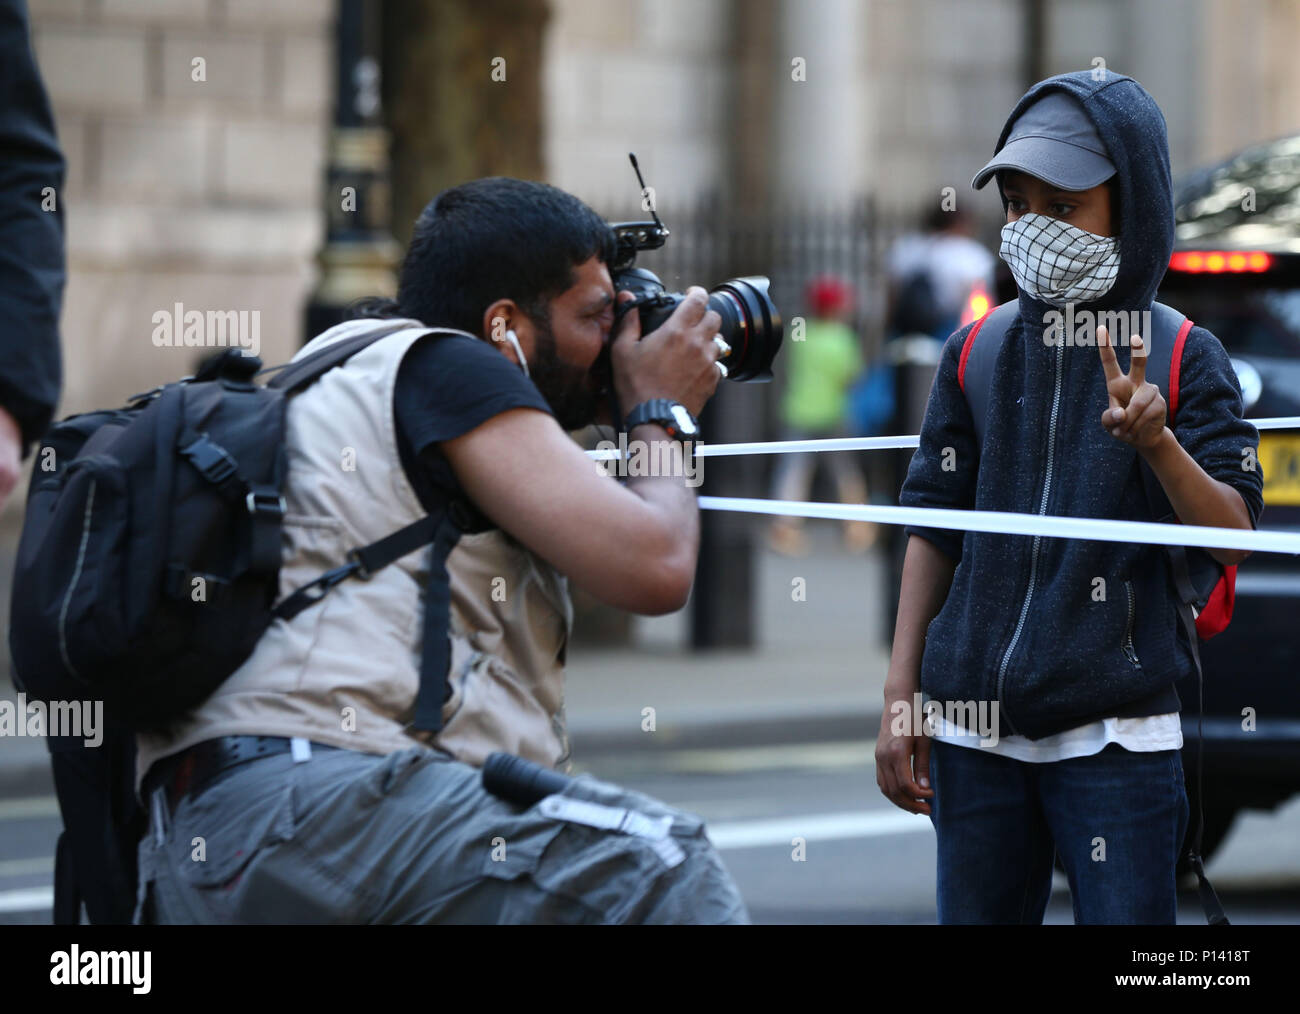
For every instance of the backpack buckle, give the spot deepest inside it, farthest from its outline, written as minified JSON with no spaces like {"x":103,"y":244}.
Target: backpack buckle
{"x":263,"y":503}
{"x":360,"y":571}
{"x":211,"y":460}
{"x":148,"y":395}
{"x":328,"y":580}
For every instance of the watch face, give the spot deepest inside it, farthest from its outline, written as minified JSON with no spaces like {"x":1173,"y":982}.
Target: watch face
{"x":685,"y":424}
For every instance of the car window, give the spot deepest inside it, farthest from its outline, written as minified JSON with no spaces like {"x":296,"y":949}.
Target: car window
{"x":1249,"y":321}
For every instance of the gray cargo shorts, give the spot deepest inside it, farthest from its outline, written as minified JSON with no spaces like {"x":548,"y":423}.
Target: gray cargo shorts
{"x":413,"y":837}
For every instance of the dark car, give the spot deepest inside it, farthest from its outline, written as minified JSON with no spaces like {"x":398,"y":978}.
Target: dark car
{"x":1236,"y":271}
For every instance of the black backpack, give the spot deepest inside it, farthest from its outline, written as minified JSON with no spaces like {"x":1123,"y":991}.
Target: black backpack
{"x":915,"y":310}
{"x":147,"y":570}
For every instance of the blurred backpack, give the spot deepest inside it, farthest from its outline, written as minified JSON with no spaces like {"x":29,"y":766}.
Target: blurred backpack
{"x":871,"y":401}
{"x":915,"y":310}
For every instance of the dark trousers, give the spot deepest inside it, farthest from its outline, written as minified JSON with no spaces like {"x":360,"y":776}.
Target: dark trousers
{"x":1117,"y":819}
{"x":414,"y":837}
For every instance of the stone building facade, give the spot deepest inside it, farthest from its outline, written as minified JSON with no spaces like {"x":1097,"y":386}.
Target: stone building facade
{"x":195,"y":134}
{"x":196,"y":130}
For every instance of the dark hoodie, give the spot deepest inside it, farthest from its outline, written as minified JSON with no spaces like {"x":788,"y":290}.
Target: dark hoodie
{"x":1024,"y":623}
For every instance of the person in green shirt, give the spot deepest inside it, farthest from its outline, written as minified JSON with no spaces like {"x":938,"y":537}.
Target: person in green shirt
{"x":821,"y":367}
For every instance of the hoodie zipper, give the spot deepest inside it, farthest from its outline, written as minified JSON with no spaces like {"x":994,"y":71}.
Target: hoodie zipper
{"x":1033,"y":556}
{"x":1130,"y":652}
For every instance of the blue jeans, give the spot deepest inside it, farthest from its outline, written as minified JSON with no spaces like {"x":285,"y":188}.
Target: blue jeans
{"x":1117,"y":819}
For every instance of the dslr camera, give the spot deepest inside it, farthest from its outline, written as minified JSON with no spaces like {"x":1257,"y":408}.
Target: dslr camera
{"x":751,"y":323}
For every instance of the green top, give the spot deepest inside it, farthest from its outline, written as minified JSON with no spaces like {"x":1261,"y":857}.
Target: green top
{"x":821,"y":368}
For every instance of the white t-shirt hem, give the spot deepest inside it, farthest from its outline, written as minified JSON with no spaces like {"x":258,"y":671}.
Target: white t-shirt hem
{"x":1153,"y":732}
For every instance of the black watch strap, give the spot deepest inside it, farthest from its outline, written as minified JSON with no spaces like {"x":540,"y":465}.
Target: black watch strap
{"x":673,"y":416}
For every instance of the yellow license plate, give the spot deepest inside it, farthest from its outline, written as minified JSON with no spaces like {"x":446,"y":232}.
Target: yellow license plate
{"x":1279,"y":457}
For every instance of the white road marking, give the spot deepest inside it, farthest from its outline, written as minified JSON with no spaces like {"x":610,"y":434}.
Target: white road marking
{"x":25,"y":867}
{"x":839,"y":754}
{"x":29,"y":899}
{"x":714,"y":760}
{"x":26,"y":809}
{"x":747,"y":834}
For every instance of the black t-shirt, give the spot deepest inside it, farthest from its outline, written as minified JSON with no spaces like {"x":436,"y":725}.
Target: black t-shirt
{"x":448,"y":384}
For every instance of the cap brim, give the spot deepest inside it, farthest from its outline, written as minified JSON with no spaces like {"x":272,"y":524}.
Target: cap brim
{"x":1059,"y":163}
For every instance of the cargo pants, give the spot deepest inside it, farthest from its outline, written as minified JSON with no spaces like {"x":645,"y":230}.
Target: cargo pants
{"x":413,"y":837}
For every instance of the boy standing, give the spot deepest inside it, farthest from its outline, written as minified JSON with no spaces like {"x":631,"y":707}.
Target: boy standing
{"x":1073,"y":645}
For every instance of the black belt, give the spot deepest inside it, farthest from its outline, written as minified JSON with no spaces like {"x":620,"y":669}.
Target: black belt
{"x":195,"y":768}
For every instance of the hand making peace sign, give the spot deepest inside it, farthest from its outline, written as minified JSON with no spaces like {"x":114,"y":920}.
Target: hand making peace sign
{"x":1136,"y":414}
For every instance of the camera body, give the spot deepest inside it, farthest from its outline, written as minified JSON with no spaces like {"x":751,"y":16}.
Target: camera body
{"x":751,"y":323}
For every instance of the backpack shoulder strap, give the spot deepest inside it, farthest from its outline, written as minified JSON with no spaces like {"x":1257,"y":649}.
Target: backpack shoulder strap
{"x":975,"y":368}
{"x":1197,"y":577}
{"x":294,"y":376}
{"x":1168,"y":334}
{"x":1195,"y":573}
{"x":443,"y":532}
{"x":1163,"y":342}
{"x":1169,"y":330}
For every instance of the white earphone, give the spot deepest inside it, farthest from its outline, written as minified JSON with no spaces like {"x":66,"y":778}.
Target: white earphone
{"x":513,"y":339}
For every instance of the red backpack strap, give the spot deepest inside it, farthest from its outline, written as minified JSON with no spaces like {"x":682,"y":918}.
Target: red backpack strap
{"x":975,"y":367}
{"x":965,"y":350}
{"x":1175,"y":367}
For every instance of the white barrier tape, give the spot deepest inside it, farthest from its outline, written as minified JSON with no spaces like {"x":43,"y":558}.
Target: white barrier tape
{"x":798,"y":446}
{"x":1096,"y":529}
{"x":703,"y":450}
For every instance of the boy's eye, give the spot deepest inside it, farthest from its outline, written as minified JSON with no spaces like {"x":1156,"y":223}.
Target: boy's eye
{"x":1061,"y":210}
{"x":1015,"y":204}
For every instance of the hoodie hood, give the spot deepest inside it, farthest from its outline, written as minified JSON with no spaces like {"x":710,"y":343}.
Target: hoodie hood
{"x":1133,"y":129}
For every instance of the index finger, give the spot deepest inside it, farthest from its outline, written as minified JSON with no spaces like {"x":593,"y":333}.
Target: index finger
{"x":691,"y":310}
{"x":1108,"y":361}
{"x":629,"y":328}
{"x":1137,"y":362}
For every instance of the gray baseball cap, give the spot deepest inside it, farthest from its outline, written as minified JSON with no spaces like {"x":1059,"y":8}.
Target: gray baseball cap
{"x":1054,"y":140}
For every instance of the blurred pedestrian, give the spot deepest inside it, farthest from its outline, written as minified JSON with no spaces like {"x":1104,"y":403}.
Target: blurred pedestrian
{"x":31,"y":248}
{"x":934,"y":273}
{"x":31,"y":295}
{"x":821,"y":368}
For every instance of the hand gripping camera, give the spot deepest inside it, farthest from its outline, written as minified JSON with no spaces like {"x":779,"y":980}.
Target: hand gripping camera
{"x":751,"y":323}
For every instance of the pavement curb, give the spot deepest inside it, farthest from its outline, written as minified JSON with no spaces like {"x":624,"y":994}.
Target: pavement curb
{"x":32,"y":775}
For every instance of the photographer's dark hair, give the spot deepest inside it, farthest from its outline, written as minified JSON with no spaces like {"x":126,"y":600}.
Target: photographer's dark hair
{"x":490,"y":239}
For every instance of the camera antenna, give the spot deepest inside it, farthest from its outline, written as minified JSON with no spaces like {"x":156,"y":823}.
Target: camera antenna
{"x":653,"y":213}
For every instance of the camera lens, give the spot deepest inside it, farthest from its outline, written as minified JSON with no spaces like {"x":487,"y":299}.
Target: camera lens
{"x":751,"y":325}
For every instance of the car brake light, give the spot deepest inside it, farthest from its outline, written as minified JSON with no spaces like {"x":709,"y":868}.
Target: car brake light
{"x":1220,"y":261}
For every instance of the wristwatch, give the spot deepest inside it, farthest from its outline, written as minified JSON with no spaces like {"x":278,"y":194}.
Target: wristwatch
{"x":671,"y":415}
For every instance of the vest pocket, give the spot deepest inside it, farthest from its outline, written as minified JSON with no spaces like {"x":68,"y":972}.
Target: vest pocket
{"x":490,"y":709}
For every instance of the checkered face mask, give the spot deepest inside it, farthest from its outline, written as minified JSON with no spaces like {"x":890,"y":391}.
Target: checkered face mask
{"x":1059,"y":263}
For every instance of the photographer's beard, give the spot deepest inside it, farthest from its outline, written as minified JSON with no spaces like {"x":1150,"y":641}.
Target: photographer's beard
{"x":570,"y":390}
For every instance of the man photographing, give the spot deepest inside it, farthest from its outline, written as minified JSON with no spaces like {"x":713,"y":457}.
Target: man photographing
{"x":313,"y":796}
